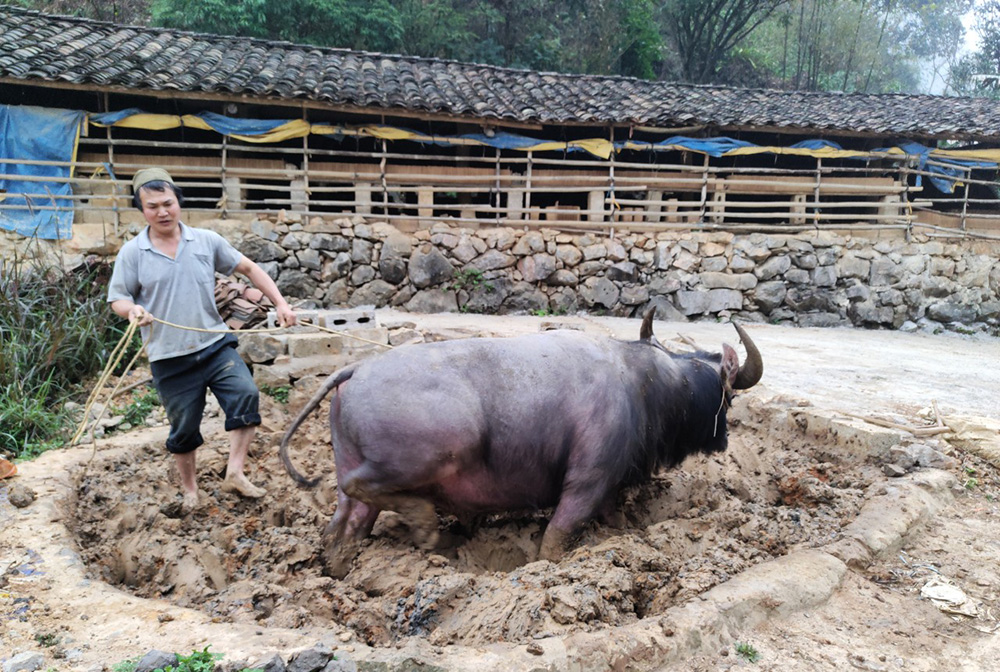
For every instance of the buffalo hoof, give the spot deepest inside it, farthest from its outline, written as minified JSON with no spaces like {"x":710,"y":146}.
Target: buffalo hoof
{"x":337,"y":561}
{"x":553,"y":544}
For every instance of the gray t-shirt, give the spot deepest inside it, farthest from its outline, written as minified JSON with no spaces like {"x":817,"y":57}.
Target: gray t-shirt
{"x":180,"y":290}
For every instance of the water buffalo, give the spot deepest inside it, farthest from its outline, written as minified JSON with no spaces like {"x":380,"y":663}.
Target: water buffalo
{"x":558,"y":419}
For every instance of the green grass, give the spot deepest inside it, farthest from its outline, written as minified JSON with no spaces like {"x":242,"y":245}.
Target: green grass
{"x":56,"y":331}
{"x":279,"y":394}
{"x":747,"y":652}
{"x":138,"y":407}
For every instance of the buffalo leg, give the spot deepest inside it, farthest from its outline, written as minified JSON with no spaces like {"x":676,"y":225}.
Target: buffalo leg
{"x":418,"y":512}
{"x":578,"y":504}
{"x":351,"y":523}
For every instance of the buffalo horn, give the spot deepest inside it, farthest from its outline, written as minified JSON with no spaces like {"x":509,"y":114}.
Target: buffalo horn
{"x":646,"y":330}
{"x":753,"y":368}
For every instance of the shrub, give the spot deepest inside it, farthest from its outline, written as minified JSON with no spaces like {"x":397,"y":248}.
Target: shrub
{"x":56,"y":330}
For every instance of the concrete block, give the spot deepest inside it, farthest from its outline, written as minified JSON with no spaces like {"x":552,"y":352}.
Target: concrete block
{"x":315,"y":344}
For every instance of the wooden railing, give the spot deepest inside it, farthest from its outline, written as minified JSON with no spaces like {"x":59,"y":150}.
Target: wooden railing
{"x":230,"y":179}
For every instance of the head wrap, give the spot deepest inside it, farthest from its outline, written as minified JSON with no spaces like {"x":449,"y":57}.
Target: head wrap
{"x":149,"y":175}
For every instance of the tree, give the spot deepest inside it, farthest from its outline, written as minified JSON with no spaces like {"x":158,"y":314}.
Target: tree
{"x":135,"y":12}
{"x":858,"y":45}
{"x":704,"y":32}
{"x":978,"y":73}
{"x":354,"y":24}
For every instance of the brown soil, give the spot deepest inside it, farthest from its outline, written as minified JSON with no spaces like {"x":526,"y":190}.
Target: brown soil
{"x":779,"y":488}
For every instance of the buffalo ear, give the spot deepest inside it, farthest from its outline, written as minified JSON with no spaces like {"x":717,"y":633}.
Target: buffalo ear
{"x":646,"y":330}
{"x":730,"y":366}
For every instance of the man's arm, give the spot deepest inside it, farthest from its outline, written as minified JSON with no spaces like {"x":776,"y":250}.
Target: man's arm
{"x":263,"y":282}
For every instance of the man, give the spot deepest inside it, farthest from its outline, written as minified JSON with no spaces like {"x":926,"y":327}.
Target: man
{"x":168,"y":271}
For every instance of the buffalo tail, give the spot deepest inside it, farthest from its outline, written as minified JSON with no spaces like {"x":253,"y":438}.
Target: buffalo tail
{"x":332,"y":383}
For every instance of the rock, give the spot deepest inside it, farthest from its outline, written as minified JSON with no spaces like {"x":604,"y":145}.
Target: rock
{"x":724,"y":299}
{"x":329,"y":243}
{"x":490,"y":260}
{"x":433,"y":301}
{"x":362,"y":275}
{"x":820,"y":320}
{"x":487,"y":297}
{"x":562,"y":278}
{"x":376,"y":293}
{"x":297,"y":284}
{"x":569,"y":255}
{"x":769,"y":295}
{"x":536,"y":267}
{"x":530,"y":243}
{"x":155,"y":660}
{"x":692,"y":302}
{"x":429,"y":267}
{"x":525,"y":297}
{"x":634,"y":295}
{"x":260,"y":250}
{"x":272,"y":664}
{"x":824,"y":276}
{"x":664,"y":284}
{"x":773,"y":267}
{"x":741,"y":281}
{"x":361,"y":251}
{"x":564,"y":302}
{"x":664,"y":309}
{"x":893,"y":471}
{"x":623,"y":271}
{"x":946,"y":311}
{"x":310,"y":660}
{"x":341,"y":663}
{"x":28,"y":661}
{"x":599,"y":292}
{"x":20,"y":495}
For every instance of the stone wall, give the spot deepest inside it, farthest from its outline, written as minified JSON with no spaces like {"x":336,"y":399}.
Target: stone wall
{"x":815,"y":279}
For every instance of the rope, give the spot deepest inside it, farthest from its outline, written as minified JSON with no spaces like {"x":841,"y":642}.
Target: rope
{"x":122,"y":347}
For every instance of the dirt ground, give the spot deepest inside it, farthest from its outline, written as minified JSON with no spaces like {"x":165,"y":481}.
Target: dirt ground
{"x":103,"y":566}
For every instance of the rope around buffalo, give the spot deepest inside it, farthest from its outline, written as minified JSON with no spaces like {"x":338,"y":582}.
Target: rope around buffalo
{"x":119,"y":352}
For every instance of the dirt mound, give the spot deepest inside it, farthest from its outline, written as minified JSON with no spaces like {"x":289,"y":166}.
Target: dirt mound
{"x":686,"y":531}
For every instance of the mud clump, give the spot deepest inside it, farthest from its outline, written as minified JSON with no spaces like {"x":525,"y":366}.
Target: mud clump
{"x":689,"y":529}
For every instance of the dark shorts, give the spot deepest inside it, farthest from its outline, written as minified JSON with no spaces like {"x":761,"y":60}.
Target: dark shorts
{"x":182,"y":381}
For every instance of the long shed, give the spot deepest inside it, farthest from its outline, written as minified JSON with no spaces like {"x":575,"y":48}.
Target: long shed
{"x":249,"y":126}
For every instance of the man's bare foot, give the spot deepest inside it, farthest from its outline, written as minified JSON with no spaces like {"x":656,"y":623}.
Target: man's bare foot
{"x":241,"y":486}
{"x":189,"y":503}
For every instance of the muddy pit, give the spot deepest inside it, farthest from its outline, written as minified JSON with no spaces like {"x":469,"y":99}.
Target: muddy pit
{"x":689,"y":529}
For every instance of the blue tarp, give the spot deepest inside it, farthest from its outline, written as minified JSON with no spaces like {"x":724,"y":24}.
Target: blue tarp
{"x":949,"y":176}
{"x":37,"y":134}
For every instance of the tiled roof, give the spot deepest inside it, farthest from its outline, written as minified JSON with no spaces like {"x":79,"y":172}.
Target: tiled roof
{"x":35,"y":46}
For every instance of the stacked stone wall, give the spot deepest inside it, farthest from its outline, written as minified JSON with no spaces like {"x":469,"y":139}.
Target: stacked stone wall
{"x":815,"y":279}
{"x":812,"y":279}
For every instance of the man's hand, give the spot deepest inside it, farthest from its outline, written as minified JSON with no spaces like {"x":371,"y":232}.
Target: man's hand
{"x":286,"y":316}
{"x":140,"y":315}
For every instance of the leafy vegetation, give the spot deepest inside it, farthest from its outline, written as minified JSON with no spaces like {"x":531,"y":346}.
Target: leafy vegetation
{"x":138,"y":409}
{"x":747,"y":652}
{"x":56,"y":330}
{"x":471,"y":278}
{"x":847,"y":45}
{"x":279,"y":394}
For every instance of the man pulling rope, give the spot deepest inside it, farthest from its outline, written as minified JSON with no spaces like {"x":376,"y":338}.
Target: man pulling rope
{"x":168,"y":271}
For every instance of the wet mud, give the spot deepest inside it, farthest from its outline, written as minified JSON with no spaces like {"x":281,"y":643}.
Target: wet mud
{"x":258,"y":561}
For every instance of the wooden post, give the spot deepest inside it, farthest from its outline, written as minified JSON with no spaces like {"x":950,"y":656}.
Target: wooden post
{"x":819,"y":178}
{"x":496,"y":204}
{"x":965,"y":199}
{"x":704,"y":190}
{"x":527,"y":186}
{"x":224,"y":196}
{"x":611,"y":185}
{"x":305,"y":161}
{"x":111,"y":164}
{"x":385,"y":186}
{"x":425,"y":203}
